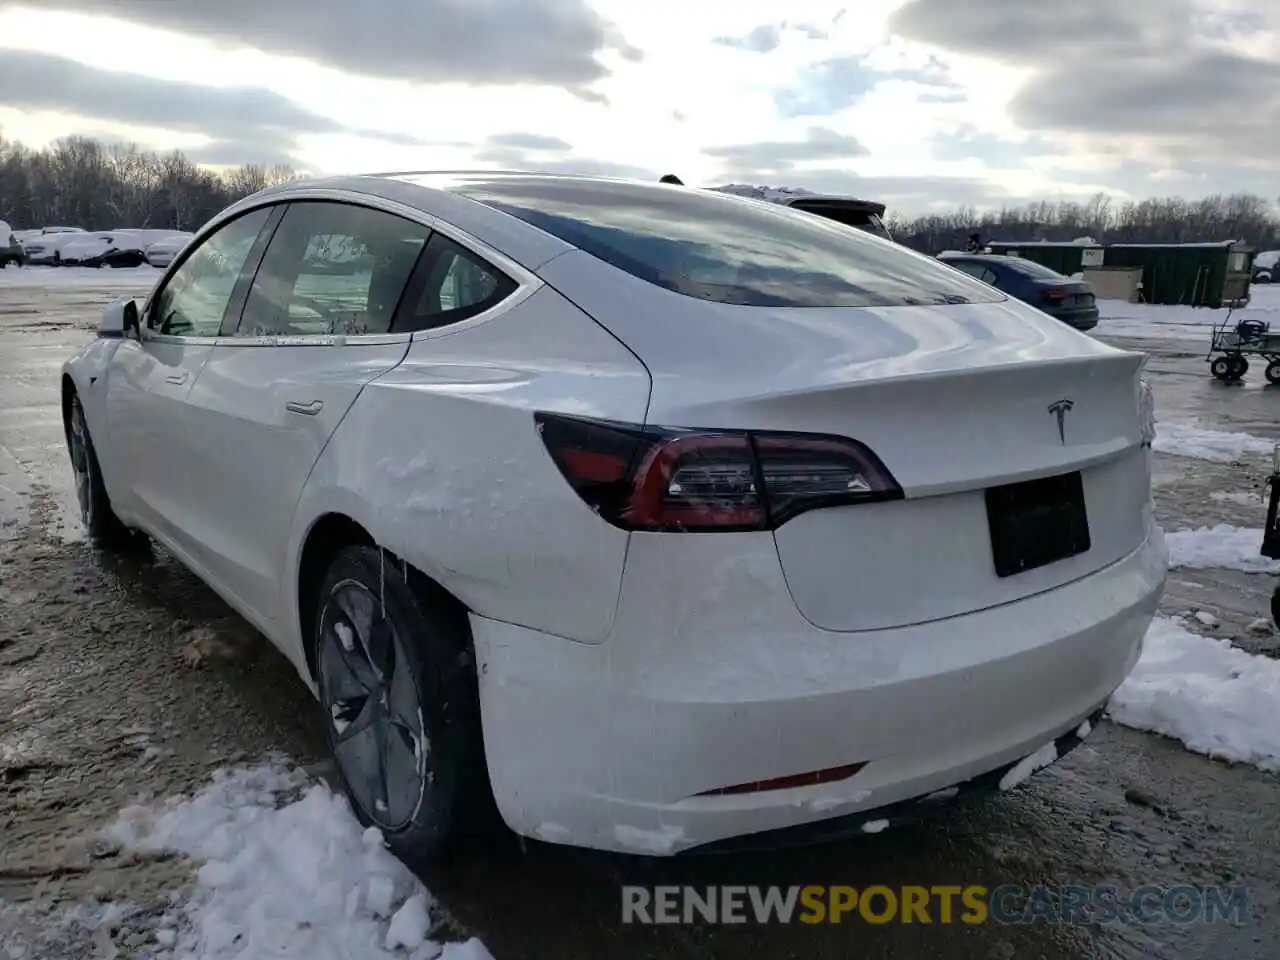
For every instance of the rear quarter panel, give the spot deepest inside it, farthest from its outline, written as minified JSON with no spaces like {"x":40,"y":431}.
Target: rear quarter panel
{"x":441,"y":461}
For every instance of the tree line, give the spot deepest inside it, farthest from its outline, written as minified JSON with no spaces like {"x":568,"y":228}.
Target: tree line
{"x":83,"y":182}
{"x":1240,"y":216}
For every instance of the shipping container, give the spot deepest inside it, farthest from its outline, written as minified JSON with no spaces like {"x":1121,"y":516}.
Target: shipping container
{"x":1214,"y":274}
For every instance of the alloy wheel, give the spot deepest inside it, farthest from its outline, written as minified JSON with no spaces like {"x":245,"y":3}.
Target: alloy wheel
{"x":370,"y":696}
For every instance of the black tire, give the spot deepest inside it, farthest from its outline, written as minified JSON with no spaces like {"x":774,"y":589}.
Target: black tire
{"x":426,"y":801}
{"x":1239,"y":367}
{"x":1272,"y":372}
{"x":1275,"y":607}
{"x":1221,"y":368}
{"x":100,"y":521}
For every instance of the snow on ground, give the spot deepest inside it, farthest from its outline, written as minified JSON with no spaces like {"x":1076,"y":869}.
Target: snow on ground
{"x":1217,"y":699}
{"x":286,"y":871}
{"x":1121,"y":319}
{"x":126,"y":278}
{"x":1223,"y":547}
{"x":1186,"y":440}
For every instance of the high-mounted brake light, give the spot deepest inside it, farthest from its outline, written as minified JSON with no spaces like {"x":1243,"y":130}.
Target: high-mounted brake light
{"x":669,"y":479}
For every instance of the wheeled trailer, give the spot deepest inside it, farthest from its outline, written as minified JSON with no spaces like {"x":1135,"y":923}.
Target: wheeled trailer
{"x":1230,"y":349}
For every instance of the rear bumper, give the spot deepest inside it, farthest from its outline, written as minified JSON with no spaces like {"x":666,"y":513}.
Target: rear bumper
{"x":847,"y":826}
{"x":1085,"y":318}
{"x":609,"y":745}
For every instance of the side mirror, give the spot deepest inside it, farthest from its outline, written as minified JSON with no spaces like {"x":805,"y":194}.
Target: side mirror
{"x":119,"y":319}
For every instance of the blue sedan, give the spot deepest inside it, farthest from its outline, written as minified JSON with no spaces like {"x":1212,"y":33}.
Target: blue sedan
{"x":1071,"y":301}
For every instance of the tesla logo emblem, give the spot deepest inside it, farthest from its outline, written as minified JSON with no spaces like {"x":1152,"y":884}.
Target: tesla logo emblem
{"x":1059,"y":409}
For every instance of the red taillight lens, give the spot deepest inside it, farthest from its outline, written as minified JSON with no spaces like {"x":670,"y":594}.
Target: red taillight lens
{"x":656,"y":478}
{"x":1055,"y":293}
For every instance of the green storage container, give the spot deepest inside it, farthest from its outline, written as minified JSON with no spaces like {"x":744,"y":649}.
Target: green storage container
{"x":1065,"y":258}
{"x":1191,"y":274}
{"x":1213,"y":274}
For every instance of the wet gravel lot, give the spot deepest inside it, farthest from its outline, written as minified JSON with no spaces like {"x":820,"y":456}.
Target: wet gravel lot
{"x":98,"y":707}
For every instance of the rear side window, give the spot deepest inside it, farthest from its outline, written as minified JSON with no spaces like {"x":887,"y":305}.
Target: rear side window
{"x":975,"y":270}
{"x":452,"y":284}
{"x":1029,"y":268}
{"x":727,"y":249}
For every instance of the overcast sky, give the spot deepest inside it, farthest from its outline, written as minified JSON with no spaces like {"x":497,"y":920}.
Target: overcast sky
{"x":923,"y":104}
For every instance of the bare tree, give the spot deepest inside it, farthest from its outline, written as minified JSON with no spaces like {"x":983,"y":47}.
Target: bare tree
{"x":87,"y":183}
{"x":1243,"y":217}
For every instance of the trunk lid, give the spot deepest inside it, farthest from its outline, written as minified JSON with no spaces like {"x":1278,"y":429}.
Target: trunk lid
{"x":952,"y":545}
{"x":954,"y":399}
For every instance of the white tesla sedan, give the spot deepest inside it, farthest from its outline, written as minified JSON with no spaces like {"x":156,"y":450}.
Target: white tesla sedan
{"x":664,"y":518}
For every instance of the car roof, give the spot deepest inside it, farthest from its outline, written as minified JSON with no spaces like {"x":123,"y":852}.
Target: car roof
{"x":434,"y":193}
{"x":441,"y":194}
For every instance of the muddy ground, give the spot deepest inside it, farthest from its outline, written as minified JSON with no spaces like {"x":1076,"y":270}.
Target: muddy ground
{"x":99,"y":708}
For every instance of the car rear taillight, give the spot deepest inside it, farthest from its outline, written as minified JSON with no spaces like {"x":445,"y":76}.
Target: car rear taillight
{"x":679,"y":479}
{"x":1055,"y":294}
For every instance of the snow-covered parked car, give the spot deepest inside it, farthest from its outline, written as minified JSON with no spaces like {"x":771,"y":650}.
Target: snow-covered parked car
{"x":1264,"y":266}
{"x":162,"y":252}
{"x":661,"y":518}
{"x":45,"y":249}
{"x":113,"y":249}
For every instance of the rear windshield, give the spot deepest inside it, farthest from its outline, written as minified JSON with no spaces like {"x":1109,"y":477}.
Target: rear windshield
{"x":1032,"y":269}
{"x":728,"y":249}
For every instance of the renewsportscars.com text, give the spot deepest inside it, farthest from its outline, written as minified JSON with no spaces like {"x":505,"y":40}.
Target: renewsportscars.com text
{"x":936,"y":904}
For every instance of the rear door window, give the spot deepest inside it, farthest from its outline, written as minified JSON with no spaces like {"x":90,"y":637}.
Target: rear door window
{"x":727,"y":249}
{"x":332,"y":268}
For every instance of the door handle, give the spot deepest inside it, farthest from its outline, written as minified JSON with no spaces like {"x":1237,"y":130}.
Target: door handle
{"x":176,"y":378}
{"x":306,"y":409}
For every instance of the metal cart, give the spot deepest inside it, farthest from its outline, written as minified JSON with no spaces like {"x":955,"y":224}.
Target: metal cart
{"x":1232,"y":346}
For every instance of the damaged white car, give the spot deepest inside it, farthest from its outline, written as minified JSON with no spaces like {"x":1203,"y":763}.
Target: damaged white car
{"x":658,"y":518}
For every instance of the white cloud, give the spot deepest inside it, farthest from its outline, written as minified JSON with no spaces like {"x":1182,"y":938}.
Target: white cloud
{"x":668,"y":88}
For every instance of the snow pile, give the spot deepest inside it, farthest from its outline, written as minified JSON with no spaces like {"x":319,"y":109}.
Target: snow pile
{"x":1028,"y":765}
{"x":1184,"y":440}
{"x":1223,"y":547}
{"x":1215,"y":698}
{"x":287,"y":872}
